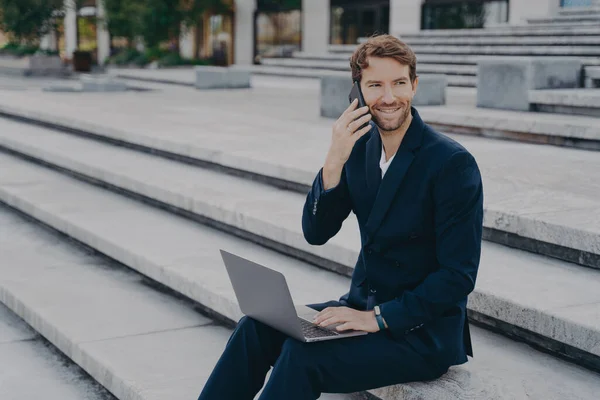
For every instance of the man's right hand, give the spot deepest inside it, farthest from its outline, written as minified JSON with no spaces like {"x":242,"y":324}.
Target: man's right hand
{"x":345,"y":134}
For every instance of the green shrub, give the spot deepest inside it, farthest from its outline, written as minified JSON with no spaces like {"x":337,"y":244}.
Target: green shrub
{"x":48,"y":52}
{"x":170,"y":60}
{"x":196,"y":61}
{"x":19,"y":50}
{"x":125,"y":56}
{"x":141,"y":60}
{"x":155,"y":53}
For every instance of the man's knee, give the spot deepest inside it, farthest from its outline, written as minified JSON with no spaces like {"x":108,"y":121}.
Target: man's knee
{"x":248,"y":324}
{"x":297,"y":354}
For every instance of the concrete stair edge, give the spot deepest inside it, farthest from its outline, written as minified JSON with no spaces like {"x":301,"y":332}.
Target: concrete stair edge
{"x":296,"y":180}
{"x":484,"y":303}
{"x":141,"y":263}
{"x":456,"y":383}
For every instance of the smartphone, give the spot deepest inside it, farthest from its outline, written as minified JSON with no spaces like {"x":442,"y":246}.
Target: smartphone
{"x":356,"y":93}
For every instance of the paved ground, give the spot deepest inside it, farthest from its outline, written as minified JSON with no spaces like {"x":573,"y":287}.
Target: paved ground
{"x":555,"y":186}
{"x":30,"y":368}
{"x":533,"y":180}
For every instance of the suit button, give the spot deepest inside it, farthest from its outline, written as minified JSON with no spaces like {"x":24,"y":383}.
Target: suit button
{"x":373,"y":290}
{"x":369,"y":251}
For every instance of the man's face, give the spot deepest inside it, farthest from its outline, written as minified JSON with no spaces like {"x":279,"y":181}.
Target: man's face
{"x":388,"y":92}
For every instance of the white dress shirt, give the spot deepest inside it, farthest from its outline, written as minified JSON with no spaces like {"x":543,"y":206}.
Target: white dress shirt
{"x":383,"y":164}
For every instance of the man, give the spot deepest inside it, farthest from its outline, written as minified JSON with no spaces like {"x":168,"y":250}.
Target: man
{"x":418,"y":199}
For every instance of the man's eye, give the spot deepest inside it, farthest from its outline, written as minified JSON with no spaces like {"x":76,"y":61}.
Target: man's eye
{"x":374,"y":85}
{"x":400,"y":83}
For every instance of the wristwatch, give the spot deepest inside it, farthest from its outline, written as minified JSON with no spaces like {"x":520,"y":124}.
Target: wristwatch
{"x":379,"y":318}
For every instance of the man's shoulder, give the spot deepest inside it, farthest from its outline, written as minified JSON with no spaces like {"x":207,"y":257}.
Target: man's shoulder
{"x":441,"y":148}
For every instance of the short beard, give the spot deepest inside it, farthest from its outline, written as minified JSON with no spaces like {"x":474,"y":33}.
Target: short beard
{"x":390,"y":128}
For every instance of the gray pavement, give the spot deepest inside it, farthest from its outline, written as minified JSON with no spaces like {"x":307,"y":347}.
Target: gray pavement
{"x":30,"y":368}
{"x":117,"y":328}
{"x":545,"y":193}
{"x":261,"y":125}
{"x":139,"y":343}
{"x":511,"y":283}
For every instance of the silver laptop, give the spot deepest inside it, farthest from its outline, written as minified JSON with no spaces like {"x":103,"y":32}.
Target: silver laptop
{"x":263,"y":294}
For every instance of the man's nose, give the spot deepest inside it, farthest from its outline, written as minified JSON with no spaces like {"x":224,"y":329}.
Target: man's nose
{"x":388,"y":95}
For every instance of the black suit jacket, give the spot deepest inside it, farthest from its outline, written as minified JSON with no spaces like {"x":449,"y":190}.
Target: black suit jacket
{"x":421,"y":229}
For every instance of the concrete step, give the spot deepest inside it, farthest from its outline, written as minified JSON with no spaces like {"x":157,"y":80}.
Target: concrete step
{"x":540,"y":29}
{"x":579,"y":10}
{"x":591,"y":50}
{"x":453,"y":80}
{"x":570,"y":18}
{"x":592,"y":77}
{"x":274,"y":68}
{"x":337,"y":63}
{"x":428,"y":58}
{"x":269,"y":216}
{"x":529,"y":221}
{"x":135,"y":341}
{"x":110,"y":320}
{"x":31,"y":368}
{"x":423,"y":68}
{"x":508,"y":40}
{"x":567,"y":101}
{"x":255,"y":147}
{"x":115,"y":326}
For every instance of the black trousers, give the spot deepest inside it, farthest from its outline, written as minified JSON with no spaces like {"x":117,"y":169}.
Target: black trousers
{"x":305,"y":370}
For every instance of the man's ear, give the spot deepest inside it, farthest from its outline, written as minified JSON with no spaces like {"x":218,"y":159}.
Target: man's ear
{"x":414,"y":85}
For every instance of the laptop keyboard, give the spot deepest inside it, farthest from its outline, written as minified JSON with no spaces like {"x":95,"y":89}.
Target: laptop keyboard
{"x":313,"y":331}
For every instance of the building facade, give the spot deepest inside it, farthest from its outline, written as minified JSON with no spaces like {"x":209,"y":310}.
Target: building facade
{"x":250,"y":29}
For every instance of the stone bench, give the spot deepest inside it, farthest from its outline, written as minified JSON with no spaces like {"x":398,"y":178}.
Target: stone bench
{"x":35,"y":65}
{"x":234,"y":77}
{"x":504,"y":83}
{"x":431,"y":90}
{"x":102,"y":84}
{"x":335,"y":89}
{"x":592,"y":77}
{"x":566,"y":101}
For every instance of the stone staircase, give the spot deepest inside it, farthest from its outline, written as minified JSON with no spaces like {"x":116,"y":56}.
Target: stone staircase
{"x":455,"y":52}
{"x":574,"y":14}
{"x":30,"y":368}
{"x":161,"y":210}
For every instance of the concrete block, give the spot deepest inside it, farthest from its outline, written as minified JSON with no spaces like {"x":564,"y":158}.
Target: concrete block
{"x":504,"y":83}
{"x":210,"y":77}
{"x":35,"y":65}
{"x":592,"y":77}
{"x":334,"y":95}
{"x":238,"y":77}
{"x":102,"y":84}
{"x":45,"y":65}
{"x":431,"y":90}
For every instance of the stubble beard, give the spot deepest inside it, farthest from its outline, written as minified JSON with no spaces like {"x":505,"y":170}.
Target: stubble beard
{"x":388,"y":128}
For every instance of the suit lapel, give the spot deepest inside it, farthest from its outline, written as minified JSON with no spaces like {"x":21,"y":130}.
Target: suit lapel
{"x":373,"y":171}
{"x":395,"y":174}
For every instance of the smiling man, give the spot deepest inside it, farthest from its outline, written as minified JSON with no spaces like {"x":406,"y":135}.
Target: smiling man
{"x":418,"y":199}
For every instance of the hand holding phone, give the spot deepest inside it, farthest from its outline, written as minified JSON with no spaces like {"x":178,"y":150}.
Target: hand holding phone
{"x":356,"y":93}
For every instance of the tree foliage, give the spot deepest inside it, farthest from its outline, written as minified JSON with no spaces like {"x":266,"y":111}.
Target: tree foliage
{"x":123,"y":18}
{"x":27,"y":20}
{"x":157,"y":21}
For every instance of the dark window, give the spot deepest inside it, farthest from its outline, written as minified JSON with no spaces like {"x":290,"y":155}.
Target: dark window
{"x":353,"y":19}
{"x":463,"y":14}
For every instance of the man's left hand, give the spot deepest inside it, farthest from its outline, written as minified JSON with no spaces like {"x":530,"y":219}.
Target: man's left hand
{"x":348,"y":318}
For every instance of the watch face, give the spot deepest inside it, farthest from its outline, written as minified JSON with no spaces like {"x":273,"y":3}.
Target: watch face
{"x":377,"y":311}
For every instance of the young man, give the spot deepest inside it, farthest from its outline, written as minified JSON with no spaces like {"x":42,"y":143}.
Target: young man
{"x":418,"y":199}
